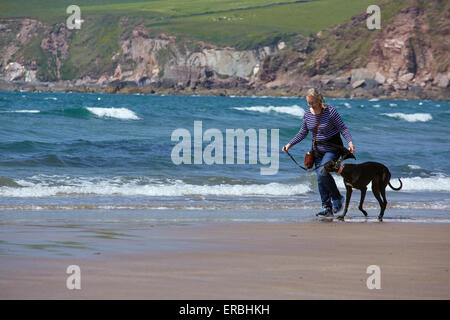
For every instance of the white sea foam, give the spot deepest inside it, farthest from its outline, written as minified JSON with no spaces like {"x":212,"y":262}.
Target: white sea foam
{"x":414,"y":184}
{"x":22,"y":111}
{"x":414,"y":167}
{"x":434,"y":205}
{"x":46,"y":186}
{"x":117,"y":113}
{"x":413,"y":117}
{"x":86,"y":186}
{"x":402,"y":220}
{"x":293,"y":110}
{"x":425,"y":184}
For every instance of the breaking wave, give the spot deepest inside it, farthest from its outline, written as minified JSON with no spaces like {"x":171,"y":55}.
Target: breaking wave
{"x":117,"y":113}
{"x":22,"y":111}
{"x":293,"y":110}
{"x":43,"y":186}
{"x":414,"y":184}
{"x":414,"y":117}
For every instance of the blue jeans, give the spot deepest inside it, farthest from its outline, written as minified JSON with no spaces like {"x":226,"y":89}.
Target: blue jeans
{"x":327,"y":187}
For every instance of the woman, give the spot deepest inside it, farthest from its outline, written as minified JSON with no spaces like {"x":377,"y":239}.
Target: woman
{"x":330,"y":128}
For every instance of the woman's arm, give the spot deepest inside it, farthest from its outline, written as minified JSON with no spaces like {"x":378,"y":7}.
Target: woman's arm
{"x":298,"y":137}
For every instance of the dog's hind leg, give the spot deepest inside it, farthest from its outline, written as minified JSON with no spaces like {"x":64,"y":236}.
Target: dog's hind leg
{"x":376,"y":192}
{"x":383,"y":194}
{"x":363,"y":195}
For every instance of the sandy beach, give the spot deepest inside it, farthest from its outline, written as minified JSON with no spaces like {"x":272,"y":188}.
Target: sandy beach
{"x":143,"y":154}
{"x":314,"y":260}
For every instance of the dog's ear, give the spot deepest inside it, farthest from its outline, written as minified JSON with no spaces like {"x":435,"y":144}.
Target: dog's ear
{"x":348,"y":155}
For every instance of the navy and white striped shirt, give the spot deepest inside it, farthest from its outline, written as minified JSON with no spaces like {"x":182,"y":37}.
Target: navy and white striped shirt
{"x":330,"y":124}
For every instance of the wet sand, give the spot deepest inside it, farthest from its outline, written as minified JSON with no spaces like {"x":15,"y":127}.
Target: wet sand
{"x":249,"y":261}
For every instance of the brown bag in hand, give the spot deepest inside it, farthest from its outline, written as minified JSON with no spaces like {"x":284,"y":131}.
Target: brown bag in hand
{"x":309,"y":157}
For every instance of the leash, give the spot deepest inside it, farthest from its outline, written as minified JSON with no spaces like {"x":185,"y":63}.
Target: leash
{"x":300,"y":165}
{"x":295,"y":161}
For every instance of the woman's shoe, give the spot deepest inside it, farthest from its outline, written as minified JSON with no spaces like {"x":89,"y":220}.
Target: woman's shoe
{"x":338,"y":204}
{"x":325,"y":212}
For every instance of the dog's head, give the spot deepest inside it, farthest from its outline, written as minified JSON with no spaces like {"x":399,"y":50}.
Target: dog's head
{"x":331,"y":166}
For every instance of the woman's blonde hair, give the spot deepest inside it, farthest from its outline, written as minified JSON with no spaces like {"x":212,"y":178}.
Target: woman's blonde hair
{"x":313,"y":92}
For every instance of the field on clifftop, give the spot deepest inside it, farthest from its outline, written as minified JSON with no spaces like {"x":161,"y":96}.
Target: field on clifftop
{"x":242,"y":24}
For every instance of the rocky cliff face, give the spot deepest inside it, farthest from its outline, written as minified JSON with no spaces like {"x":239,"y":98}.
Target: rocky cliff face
{"x":15,"y":34}
{"x":32,"y":51}
{"x":411,"y":52}
{"x":141,"y":59}
{"x":164,"y":60}
{"x":408,"y":55}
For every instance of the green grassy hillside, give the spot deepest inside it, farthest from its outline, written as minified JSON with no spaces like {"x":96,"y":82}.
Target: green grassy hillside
{"x":242,"y":24}
{"x":238,"y":23}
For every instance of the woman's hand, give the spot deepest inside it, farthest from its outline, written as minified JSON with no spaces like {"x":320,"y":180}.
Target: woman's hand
{"x":351,"y":147}
{"x":286,"y":147}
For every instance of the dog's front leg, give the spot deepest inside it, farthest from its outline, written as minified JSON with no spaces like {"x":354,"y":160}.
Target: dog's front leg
{"x":347,"y":201}
{"x":363,"y":195}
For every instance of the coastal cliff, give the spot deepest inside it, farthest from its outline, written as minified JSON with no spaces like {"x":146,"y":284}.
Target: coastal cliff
{"x":407,"y":58}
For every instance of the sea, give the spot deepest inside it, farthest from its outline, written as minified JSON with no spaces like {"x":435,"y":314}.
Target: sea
{"x":68,"y":158}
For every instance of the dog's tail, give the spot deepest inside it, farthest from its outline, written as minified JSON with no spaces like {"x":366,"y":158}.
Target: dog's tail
{"x":396,"y":189}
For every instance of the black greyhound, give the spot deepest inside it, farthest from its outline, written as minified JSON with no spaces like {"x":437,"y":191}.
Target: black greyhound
{"x":358,"y":176}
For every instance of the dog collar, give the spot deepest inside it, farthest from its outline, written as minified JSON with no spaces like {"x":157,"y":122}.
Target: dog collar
{"x":341,"y":167}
